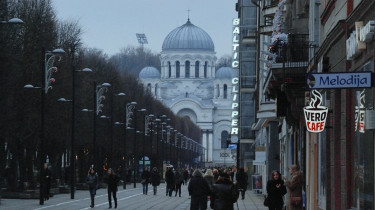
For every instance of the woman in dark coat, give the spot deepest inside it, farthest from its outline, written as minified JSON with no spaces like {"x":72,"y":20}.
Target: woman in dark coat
{"x":275,"y":190}
{"x":170,"y":179}
{"x":242,"y":178}
{"x":224,"y":193}
{"x":93,"y":182}
{"x":112,"y":180}
{"x":198,"y":190}
{"x":145,"y":180}
{"x":155,"y":179}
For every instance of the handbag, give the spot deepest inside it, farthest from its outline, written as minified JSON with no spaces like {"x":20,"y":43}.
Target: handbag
{"x":143,"y":181}
{"x":295,"y":201}
{"x":266,"y":201}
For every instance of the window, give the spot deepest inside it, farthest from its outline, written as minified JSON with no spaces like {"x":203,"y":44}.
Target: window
{"x":169,"y":70}
{"x":224,"y":138}
{"x":187,"y":69}
{"x":225,"y":91}
{"x":196,"y":69}
{"x":177,"y":69}
{"x":205,"y":69}
{"x":148,"y":88}
{"x":218,"y":91}
{"x":156,"y":89}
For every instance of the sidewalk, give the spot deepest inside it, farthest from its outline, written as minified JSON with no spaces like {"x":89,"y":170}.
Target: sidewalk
{"x":252,"y":201}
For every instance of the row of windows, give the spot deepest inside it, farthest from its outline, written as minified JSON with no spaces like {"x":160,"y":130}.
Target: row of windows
{"x":187,"y":69}
{"x":225,"y":90}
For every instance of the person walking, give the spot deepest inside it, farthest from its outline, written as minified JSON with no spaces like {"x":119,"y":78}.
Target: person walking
{"x":145,"y":180}
{"x":224,"y":194}
{"x":112,"y":180}
{"x":275,"y":190}
{"x":155,"y":179}
{"x":242,"y":181}
{"x":47,"y":177}
{"x":186,"y":175}
{"x":295,"y":187}
{"x":209,"y":177}
{"x":170,"y":179}
{"x":198,"y":190}
{"x":179,"y":179}
{"x":216,"y":174}
{"x":93,"y":182}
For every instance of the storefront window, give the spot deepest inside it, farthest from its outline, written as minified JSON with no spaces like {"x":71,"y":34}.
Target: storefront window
{"x":363,"y":174}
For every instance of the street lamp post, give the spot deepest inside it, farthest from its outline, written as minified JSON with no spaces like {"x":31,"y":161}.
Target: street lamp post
{"x":147,"y":119}
{"x":144,"y":136}
{"x":47,"y":70}
{"x":128,"y":114}
{"x":98,"y":106}
{"x":157,"y":121}
{"x":72,"y":156}
{"x":110,"y":165}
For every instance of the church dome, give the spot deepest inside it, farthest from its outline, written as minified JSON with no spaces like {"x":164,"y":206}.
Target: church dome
{"x":224,"y":73}
{"x":188,"y":37}
{"x":149,"y":72}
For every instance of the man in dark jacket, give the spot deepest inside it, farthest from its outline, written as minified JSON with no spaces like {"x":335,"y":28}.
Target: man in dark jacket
{"x":155,"y":179}
{"x":242,"y":178}
{"x":198,"y":190}
{"x":145,"y":180}
{"x":224,"y":193}
{"x":170,"y":179}
{"x":112,"y":180}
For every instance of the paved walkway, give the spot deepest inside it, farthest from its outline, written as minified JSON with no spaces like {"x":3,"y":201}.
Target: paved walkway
{"x":129,"y":199}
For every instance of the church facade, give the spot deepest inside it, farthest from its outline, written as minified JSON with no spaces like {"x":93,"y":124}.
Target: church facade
{"x":190,"y":86}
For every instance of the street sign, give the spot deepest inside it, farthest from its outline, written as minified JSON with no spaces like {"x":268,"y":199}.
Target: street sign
{"x":339,"y":80}
{"x":232,"y":146}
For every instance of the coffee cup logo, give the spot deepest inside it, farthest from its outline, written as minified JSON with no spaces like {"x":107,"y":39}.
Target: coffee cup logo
{"x":315,"y":114}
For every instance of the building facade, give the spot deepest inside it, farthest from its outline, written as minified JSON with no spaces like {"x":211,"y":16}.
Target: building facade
{"x":190,"y":86}
{"x":302,"y":38}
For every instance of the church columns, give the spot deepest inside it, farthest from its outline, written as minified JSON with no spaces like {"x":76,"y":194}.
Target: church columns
{"x":210,"y":147}
{"x":192,"y":70}
{"x":182,"y":70}
{"x":201,"y":70}
{"x":208,"y":144}
{"x":204,"y":143}
{"x":173,"y":75}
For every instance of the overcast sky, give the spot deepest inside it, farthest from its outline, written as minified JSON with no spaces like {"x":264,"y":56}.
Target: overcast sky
{"x":110,"y":25}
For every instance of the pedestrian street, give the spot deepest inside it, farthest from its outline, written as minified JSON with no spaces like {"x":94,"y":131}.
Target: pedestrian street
{"x":129,"y":199}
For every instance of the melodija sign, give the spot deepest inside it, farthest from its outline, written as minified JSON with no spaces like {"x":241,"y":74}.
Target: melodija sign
{"x":315,"y":114}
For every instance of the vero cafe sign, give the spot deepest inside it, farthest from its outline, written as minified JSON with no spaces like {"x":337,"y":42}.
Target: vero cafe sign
{"x":315,"y":114}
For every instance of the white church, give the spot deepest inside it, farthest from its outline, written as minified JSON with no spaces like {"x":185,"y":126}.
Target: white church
{"x":190,"y":86}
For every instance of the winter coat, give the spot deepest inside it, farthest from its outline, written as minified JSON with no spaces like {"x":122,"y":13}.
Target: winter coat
{"x":275,"y":195}
{"x":223,"y":195}
{"x":170,"y":179}
{"x":295,"y":184}
{"x":198,"y":186}
{"x":112,"y":181}
{"x":93,"y":182}
{"x":155,"y":178}
{"x":146,"y":176}
{"x":210,"y":180}
{"x":242,"y":178}
{"x":178,"y":178}
{"x":186,"y":174}
{"x":199,"y":190}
